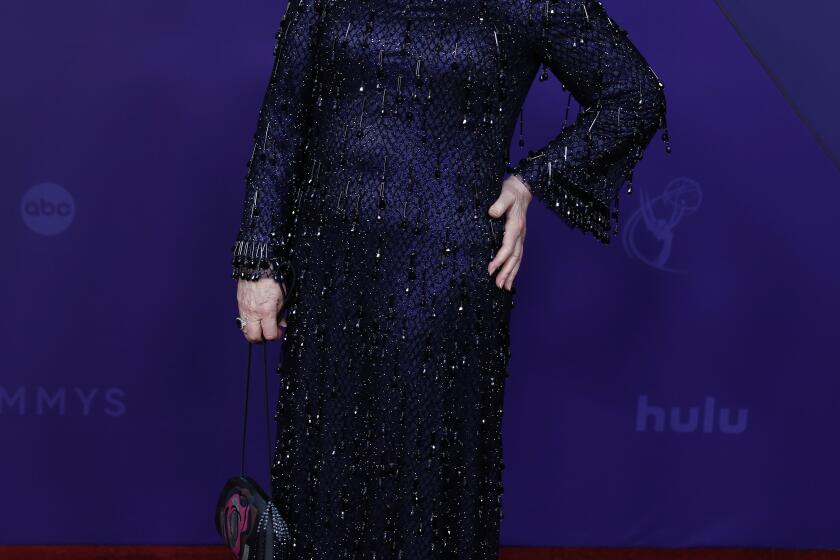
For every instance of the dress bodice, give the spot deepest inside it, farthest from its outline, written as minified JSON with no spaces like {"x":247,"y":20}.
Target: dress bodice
{"x":379,"y":99}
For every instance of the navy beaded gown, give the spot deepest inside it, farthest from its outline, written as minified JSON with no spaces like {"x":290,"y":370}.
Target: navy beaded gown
{"x":382,"y":141}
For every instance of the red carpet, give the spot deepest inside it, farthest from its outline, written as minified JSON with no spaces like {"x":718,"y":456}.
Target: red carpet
{"x":507,"y":553}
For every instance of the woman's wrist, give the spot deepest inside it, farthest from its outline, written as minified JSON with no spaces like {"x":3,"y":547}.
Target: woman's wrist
{"x":525,"y":184}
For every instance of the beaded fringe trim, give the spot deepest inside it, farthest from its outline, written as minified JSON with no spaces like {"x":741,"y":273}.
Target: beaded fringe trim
{"x":253,"y":260}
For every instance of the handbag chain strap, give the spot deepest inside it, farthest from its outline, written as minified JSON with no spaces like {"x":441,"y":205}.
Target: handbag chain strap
{"x":247,"y":392}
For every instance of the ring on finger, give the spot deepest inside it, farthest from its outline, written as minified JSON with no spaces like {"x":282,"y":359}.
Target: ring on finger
{"x":242,"y":322}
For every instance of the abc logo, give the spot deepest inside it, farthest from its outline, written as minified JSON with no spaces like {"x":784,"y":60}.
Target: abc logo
{"x":47,"y":208}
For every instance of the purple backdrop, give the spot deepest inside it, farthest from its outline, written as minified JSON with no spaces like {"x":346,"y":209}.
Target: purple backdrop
{"x":676,"y":388}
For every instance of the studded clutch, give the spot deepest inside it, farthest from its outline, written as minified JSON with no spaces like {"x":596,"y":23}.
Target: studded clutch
{"x":248,"y":521}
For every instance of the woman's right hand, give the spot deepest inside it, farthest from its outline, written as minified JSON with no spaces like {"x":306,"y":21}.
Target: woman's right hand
{"x":259,"y":303}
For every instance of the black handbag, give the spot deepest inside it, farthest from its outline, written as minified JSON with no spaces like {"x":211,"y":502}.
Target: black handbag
{"x":247,"y":520}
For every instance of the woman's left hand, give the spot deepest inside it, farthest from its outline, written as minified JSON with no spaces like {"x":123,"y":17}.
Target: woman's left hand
{"x":513,"y":201}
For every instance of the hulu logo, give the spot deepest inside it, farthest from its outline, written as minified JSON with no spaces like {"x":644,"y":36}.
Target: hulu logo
{"x":689,"y":420}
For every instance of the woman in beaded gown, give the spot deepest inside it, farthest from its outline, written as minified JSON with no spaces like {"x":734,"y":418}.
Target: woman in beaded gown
{"x":380,"y":147}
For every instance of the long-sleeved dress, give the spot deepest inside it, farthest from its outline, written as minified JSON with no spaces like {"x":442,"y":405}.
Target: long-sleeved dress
{"x":382,"y":141}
